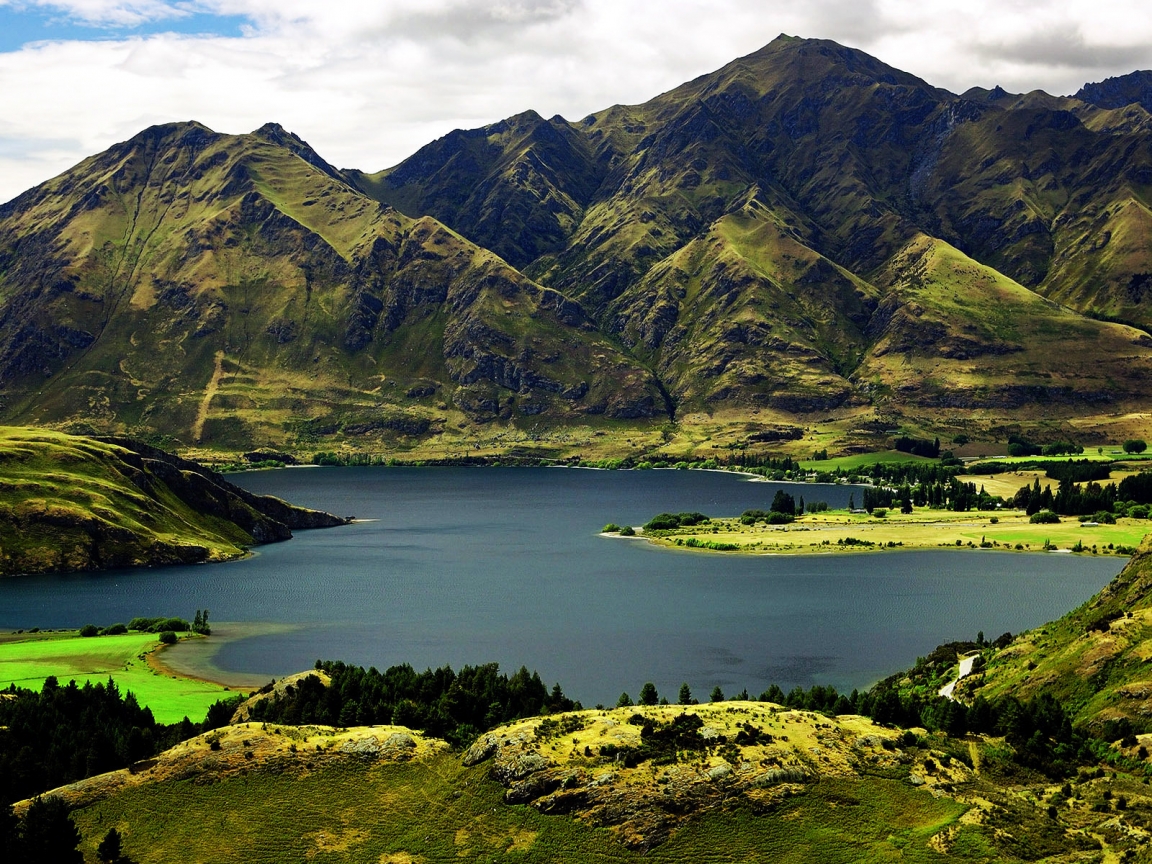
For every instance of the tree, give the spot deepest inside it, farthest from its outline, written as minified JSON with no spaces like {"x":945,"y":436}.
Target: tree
{"x":109,"y":848}
{"x":9,"y":835}
{"x":625,"y":701}
{"x":685,"y":694}
{"x":783,"y":503}
{"x":49,"y":833}
{"x":648,"y":694}
{"x":1135,"y":445}
{"x":717,"y":694}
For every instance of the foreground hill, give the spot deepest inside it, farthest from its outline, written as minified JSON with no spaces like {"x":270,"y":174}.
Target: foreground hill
{"x":806,"y":230}
{"x":805,"y":788}
{"x":73,"y":503}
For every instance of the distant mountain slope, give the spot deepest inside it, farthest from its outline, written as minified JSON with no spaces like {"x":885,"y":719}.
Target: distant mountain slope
{"x":229,"y":289}
{"x":821,"y":154}
{"x":74,"y":503}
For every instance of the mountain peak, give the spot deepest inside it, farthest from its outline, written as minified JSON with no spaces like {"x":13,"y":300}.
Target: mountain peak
{"x":276,"y":134}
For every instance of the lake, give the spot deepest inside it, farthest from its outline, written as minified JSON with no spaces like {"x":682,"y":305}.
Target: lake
{"x":474,"y":565}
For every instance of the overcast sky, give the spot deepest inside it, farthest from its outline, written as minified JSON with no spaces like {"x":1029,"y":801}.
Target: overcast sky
{"x":367,"y":82}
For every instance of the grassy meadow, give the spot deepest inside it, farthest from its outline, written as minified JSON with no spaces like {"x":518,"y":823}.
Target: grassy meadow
{"x":27,"y":659}
{"x":832,"y":531}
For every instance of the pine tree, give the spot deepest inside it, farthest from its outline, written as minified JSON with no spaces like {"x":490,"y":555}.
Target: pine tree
{"x":717,"y":694}
{"x":648,"y":694}
{"x":685,"y":694}
{"x":49,"y":833}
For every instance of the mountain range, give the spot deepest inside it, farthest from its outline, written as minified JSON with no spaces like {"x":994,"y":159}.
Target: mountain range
{"x":805,"y":235}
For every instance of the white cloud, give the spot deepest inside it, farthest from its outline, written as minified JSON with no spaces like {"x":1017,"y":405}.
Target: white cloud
{"x":367,"y":83}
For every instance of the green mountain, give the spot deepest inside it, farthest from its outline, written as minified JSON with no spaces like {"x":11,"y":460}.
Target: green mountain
{"x":805,"y":230}
{"x":809,"y":227}
{"x":230,"y":289}
{"x":74,"y":503}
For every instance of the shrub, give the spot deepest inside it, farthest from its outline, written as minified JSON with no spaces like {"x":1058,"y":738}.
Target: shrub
{"x":168,"y":637}
{"x":610,"y":528}
{"x":1044,"y":517}
{"x":994,"y":520}
{"x":879,"y":512}
{"x":1135,"y":445}
{"x":775,"y":517}
{"x":89,"y":630}
{"x":1138,"y":511}
{"x":1104,"y":517}
{"x":114,"y":630}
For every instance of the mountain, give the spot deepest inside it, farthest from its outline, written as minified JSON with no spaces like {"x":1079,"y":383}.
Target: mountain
{"x":231,"y":289}
{"x":803,"y":231}
{"x":74,"y":503}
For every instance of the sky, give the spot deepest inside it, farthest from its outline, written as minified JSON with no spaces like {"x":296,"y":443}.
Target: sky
{"x":368,"y":82}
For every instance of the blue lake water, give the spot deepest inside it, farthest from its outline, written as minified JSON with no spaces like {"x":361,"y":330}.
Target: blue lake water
{"x":479,"y":565}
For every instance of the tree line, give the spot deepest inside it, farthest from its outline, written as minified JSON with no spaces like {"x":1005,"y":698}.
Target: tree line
{"x":455,"y":706}
{"x":65,"y":733}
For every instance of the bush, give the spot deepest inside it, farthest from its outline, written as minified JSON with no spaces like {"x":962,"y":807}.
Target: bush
{"x":1044,"y":517}
{"x":610,"y":528}
{"x":1135,"y":445}
{"x":879,"y":512}
{"x":627,"y":531}
{"x":668,"y":521}
{"x":168,"y":637}
{"x":1138,"y":511}
{"x":115,"y":630}
{"x":89,"y":630}
{"x":775,"y":517}
{"x":1104,"y":517}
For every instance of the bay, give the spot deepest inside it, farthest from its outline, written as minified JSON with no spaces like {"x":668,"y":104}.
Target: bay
{"x":459,"y":565}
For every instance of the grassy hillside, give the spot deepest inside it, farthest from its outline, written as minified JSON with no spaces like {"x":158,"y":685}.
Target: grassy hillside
{"x":1094,"y":659}
{"x":234,"y":290}
{"x":75,"y":503}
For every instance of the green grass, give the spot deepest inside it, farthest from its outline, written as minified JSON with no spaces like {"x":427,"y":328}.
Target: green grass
{"x":68,"y":656}
{"x":58,"y":491}
{"x":435,"y":810}
{"x":861,"y":460}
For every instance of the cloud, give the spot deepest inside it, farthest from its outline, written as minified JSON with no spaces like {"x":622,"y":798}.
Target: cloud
{"x":367,"y":82}
{"x":120,"y":13}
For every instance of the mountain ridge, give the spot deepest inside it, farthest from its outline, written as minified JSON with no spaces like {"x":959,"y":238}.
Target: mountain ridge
{"x":806,"y":229}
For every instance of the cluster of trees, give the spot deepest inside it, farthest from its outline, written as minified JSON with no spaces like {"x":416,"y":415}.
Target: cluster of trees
{"x":456,"y":706}
{"x":668,"y":521}
{"x":66,"y":733}
{"x":918,"y":446}
{"x":1091,"y":498}
{"x":1020,"y":446}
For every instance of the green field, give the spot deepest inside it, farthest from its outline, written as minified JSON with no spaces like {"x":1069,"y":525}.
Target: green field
{"x":27,"y":659}
{"x":861,"y":460}
{"x":820,"y":533}
{"x":436,"y":810}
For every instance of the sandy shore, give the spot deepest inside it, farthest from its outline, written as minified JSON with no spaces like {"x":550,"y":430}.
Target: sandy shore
{"x":195,"y":658}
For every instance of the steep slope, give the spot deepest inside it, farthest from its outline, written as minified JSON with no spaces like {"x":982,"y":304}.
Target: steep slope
{"x":833,"y":169}
{"x":73,"y":503}
{"x":233,"y":290}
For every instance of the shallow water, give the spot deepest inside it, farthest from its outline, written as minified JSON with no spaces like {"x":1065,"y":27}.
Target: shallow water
{"x":479,"y":565}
